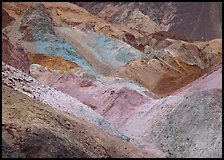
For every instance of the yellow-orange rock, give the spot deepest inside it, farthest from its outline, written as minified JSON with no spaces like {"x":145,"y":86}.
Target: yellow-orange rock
{"x":52,"y":62}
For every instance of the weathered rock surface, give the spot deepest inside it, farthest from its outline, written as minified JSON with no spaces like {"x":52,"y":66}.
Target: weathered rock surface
{"x":200,"y":21}
{"x":126,"y":108}
{"x":64,"y":14}
{"x":6,"y":19}
{"x":52,"y":62}
{"x":14,"y":55}
{"x":88,"y":88}
{"x":211,"y":80}
{"x":150,"y":119}
{"x":180,"y":126}
{"x":104,"y":53}
{"x":31,"y":129}
{"x":10,"y":152}
{"x":22,"y":82}
{"x":114,"y":103}
{"x":37,"y":23}
{"x":195,"y":126}
{"x":172,"y":67}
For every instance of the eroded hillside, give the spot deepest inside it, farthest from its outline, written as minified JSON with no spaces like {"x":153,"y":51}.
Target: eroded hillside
{"x":138,"y":79}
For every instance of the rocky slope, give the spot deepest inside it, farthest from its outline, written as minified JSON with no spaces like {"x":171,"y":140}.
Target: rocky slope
{"x":24,"y":83}
{"x":200,"y":21}
{"x":6,"y":19}
{"x":172,"y":67}
{"x":188,"y":134}
{"x":64,"y":14}
{"x":85,"y":48}
{"x":14,"y":55}
{"x":77,"y":85}
{"x":127,"y":109}
{"x":178,"y":140}
{"x":211,"y":80}
{"x":39,"y":131}
{"x":49,"y":61}
{"x":41,"y":23}
{"x":100,"y":49}
{"x":113,"y":103}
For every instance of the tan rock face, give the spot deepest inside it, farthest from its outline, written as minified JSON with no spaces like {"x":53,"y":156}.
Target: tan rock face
{"x":132,"y":15}
{"x":73,"y":15}
{"x":177,"y":65}
{"x":211,"y":80}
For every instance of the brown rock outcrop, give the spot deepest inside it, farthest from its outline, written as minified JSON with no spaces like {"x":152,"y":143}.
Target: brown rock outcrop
{"x":200,"y":21}
{"x":14,"y":55}
{"x":6,"y":19}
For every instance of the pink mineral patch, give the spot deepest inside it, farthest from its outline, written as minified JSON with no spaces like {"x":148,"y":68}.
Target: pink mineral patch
{"x":115,"y":104}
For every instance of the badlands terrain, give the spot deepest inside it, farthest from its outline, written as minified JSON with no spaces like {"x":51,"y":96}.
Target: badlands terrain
{"x":112,"y":79}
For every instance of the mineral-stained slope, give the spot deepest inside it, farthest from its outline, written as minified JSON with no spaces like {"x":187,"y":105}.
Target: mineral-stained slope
{"x":172,"y":67}
{"x":52,"y":62}
{"x":24,"y":83}
{"x":115,"y":104}
{"x":64,"y":14}
{"x":14,"y":55}
{"x":181,"y":126}
{"x":37,"y":20}
{"x":195,"y":126}
{"x":211,"y":80}
{"x":100,"y":48}
{"x":200,"y":21}
{"x":127,"y":109}
{"x":76,"y":85}
{"x":43,"y":40}
{"x":32,"y":129}
{"x":97,"y":53}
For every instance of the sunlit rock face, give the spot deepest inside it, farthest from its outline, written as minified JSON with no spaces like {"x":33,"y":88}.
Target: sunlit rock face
{"x":174,"y":66}
{"x":104,"y":49}
{"x":63,"y":66}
